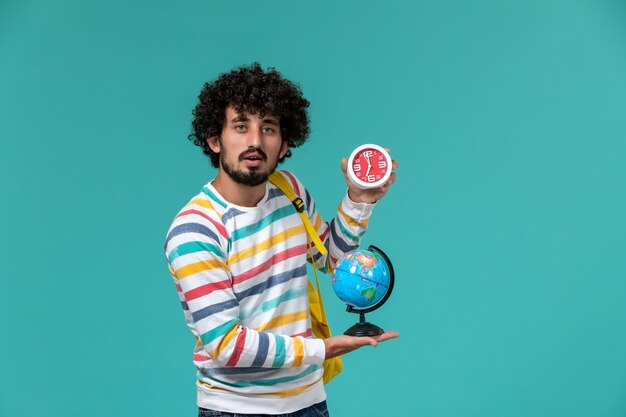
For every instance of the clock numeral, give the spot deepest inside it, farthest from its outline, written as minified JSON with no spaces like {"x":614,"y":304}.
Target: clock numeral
{"x":382,"y":164}
{"x":367,"y":154}
{"x":356,"y":168}
{"x":371,"y":178}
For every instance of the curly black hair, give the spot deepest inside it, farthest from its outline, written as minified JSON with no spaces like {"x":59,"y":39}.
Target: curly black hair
{"x":250,"y":89}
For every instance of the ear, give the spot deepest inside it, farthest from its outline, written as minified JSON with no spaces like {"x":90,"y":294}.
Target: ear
{"x":214,"y":143}
{"x":283,"y":149}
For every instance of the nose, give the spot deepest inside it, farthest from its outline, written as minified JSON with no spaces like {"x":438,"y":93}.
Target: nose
{"x":254,"y":138}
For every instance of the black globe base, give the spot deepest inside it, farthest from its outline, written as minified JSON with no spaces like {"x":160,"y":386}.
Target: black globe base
{"x":363,"y":328}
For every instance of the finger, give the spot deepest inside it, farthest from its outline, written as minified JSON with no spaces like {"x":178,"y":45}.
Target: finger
{"x":357,"y":342}
{"x":344,"y":169}
{"x":365,"y":341}
{"x":394,"y":164}
{"x":385,"y":188}
{"x":382,"y":191}
{"x":369,"y":341}
{"x":387,"y":336}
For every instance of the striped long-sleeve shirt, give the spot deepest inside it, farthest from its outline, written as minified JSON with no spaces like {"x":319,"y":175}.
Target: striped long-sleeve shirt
{"x":241,"y":276}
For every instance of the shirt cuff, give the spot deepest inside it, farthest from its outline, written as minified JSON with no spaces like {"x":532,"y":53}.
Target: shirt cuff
{"x":315,"y":352}
{"x":358,"y":211}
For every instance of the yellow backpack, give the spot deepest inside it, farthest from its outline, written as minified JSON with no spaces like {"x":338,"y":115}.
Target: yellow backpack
{"x":319,"y":322}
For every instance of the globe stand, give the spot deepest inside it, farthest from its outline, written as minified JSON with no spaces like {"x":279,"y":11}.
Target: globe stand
{"x":364,"y":328}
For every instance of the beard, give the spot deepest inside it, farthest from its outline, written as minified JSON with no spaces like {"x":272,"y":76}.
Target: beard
{"x":250,"y":176}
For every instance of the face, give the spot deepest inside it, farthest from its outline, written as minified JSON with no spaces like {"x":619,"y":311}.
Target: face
{"x":249,"y":146}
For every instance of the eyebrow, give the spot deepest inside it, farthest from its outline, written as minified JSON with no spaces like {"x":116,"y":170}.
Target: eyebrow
{"x":271,"y":121}
{"x":242,"y":118}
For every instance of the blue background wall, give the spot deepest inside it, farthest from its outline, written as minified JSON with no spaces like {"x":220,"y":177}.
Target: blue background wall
{"x":506,"y":227}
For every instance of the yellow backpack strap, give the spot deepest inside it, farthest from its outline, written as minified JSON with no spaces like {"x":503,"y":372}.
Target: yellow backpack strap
{"x":281,"y":182}
{"x":283,"y":185}
{"x":319,"y":322}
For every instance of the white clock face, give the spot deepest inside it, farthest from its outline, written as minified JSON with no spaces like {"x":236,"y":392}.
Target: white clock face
{"x":369,"y":166}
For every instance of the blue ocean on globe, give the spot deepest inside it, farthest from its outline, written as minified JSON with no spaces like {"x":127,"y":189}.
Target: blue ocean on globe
{"x":361,"y":278}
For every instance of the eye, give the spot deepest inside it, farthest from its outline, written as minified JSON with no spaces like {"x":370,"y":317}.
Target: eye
{"x":240,"y":128}
{"x":268,"y":130}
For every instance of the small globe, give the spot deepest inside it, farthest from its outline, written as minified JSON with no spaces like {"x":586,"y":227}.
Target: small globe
{"x":362,"y":278}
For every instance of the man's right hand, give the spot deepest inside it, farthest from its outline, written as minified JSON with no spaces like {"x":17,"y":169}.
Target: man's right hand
{"x":339,"y":345}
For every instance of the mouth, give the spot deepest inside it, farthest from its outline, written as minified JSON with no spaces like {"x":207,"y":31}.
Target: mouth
{"x":253,"y":159}
{"x":253,"y":156}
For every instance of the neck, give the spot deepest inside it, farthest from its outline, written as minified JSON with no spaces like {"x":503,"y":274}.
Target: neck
{"x":236,"y":193}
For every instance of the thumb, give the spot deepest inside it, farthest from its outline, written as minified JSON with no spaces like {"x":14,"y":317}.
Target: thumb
{"x":344,"y":164}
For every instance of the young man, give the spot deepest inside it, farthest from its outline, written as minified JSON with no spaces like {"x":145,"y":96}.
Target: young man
{"x":238,"y":251}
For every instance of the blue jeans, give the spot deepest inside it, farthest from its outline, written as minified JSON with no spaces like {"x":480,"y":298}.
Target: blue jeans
{"x":316,"y":410}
